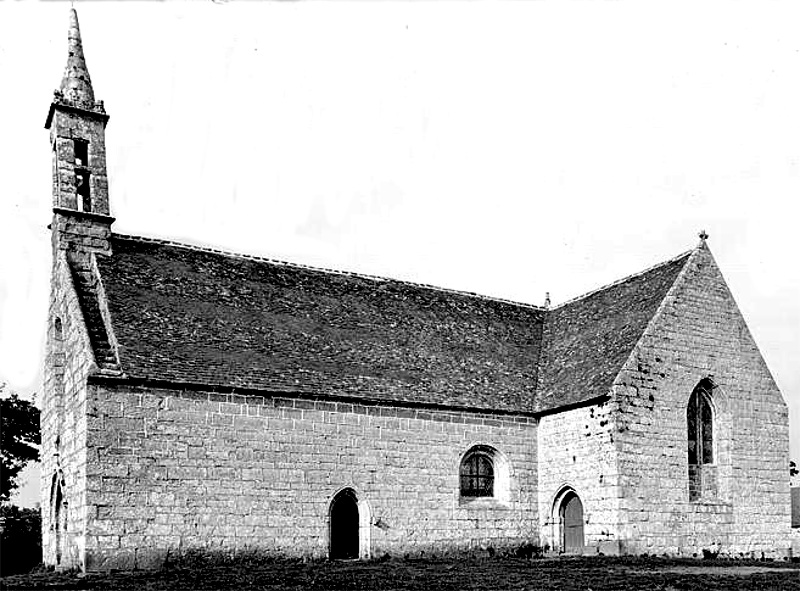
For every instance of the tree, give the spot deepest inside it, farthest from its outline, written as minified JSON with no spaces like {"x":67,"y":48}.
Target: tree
{"x":20,"y":539}
{"x":793,"y":471}
{"x":19,"y":439}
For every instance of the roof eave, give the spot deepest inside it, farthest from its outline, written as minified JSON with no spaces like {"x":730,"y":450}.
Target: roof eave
{"x":122,"y":379}
{"x":573,"y":405}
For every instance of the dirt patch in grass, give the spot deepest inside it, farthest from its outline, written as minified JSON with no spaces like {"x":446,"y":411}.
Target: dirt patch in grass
{"x":727,"y":570}
{"x":472,"y":574}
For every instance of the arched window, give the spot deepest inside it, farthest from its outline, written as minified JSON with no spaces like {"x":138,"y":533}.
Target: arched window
{"x":700,"y":439}
{"x":477,"y":473}
{"x":484,"y":474}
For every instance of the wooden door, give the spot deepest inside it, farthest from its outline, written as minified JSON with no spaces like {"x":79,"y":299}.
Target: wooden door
{"x":572,"y":520}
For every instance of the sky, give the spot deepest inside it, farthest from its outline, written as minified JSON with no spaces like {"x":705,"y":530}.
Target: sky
{"x":505,"y":148}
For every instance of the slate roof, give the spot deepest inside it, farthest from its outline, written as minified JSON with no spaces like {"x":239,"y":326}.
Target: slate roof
{"x":587,"y":340}
{"x":188,"y":315}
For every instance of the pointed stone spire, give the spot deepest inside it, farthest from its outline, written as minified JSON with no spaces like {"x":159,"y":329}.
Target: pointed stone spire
{"x":76,"y":85}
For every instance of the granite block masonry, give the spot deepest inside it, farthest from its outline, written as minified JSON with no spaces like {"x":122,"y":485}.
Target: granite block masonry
{"x":211,"y":402}
{"x":178,"y":470}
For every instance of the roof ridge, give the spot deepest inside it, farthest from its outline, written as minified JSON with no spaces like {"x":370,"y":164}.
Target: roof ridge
{"x":250,"y":257}
{"x":623,"y":280}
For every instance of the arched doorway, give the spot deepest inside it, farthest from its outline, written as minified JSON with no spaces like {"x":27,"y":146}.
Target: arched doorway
{"x":59,"y":518}
{"x":571,"y":514}
{"x":344,"y":525}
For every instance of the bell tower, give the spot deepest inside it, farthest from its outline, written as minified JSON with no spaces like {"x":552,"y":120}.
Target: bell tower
{"x":80,"y":342}
{"x":77,"y":122}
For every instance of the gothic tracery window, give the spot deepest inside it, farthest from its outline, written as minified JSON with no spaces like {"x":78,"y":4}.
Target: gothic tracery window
{"x":700,"y":439}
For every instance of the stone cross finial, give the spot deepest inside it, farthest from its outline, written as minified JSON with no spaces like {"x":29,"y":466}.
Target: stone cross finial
{"x":703,"y":235}
{"x":547,"y":299}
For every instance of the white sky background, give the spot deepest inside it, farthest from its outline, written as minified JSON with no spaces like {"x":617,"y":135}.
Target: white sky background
{"x":505,"y":148}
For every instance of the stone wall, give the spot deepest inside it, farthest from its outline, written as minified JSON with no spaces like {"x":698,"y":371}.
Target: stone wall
{"x":171,"y":471}
{"x":66,"y":127}
{"x":699,"y":333}
{"x":576,"y":451}
{"x":64,"y":421}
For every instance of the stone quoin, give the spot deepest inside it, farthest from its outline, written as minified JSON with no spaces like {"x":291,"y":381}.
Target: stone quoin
{"x":198,"y":400}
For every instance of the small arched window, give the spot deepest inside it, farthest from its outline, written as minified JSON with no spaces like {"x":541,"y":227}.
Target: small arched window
{"x":700,"y":439}
{"x":477,"y":473}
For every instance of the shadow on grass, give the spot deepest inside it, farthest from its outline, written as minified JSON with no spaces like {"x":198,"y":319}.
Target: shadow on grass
{"x":470,"y":573}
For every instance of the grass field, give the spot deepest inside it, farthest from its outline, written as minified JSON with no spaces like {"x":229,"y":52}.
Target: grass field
{"x":567,"y":574}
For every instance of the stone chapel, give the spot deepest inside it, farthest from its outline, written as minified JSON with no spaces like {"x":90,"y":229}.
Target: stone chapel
{"x":199,"y":400}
